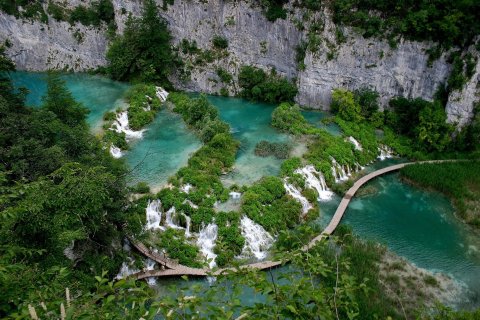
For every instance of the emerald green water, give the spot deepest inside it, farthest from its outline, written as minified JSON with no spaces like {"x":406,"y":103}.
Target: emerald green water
{"x":250,"y":123}
{"x":413,"y":223}
{"x":97,"y":93}
{"x":165,"y":147}
{"x":316,"y":117}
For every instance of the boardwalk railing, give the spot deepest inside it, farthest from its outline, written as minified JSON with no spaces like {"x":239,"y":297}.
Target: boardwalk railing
{"x":175,"y":269}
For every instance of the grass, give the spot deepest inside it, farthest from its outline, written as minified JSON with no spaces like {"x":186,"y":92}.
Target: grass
{"x":460,"y":181}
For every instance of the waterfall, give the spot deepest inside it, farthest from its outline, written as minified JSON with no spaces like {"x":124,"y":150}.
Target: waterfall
{"x":121,"y":125}
{"x":338,"y":171}
{"x":126,"y":269}
{"x":162,"y":94}
{"x":206,"y":242}
{"x":186,"y":188}
{"x":154,"y":215}
{"x":297,"y":195}
{"x":384,"y":152}
{"x":357,"y":144}
{"x":315,"y":180}
{"x":188,"y":222}
{"x":235,"y":195}
{"x":257,"y":240}
{"x":115,"y":151}
{"x":150,"y":265}
{"x":170,"y":215}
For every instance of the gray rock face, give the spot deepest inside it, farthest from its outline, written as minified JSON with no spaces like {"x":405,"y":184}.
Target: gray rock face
{"x":253,"y":40}
{"x":360,"y":62}
{"x":58,"y":45}
{"x":461,"y":104}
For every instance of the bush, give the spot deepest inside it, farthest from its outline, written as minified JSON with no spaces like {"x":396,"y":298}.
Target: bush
{"x":141,"y":187}
{"x":257,"y":85}
{"x":219,"y":42}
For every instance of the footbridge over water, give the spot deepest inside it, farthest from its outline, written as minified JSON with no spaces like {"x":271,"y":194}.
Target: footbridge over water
{"x":171,"y":268}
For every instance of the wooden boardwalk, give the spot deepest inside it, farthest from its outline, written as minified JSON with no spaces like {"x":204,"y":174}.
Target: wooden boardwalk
{"x":175,"y":269}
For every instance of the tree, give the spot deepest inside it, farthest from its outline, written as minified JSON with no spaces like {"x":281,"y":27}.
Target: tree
{"x":344,"y":104}
{"x":61,"y":102}
{"x":144,"y":51}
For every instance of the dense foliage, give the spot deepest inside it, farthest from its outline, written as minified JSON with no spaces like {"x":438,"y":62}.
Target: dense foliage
{"x":143,"y":52}
{"x":267,"y":204}
{"x":257,"y":85}
{"x":458,"y":180}
{"x":287,"y":117}
{"x":61,"y":195}
{"x":454,"y":23}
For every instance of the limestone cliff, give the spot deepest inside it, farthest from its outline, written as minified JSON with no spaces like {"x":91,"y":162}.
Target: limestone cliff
{"x":253,"y":40}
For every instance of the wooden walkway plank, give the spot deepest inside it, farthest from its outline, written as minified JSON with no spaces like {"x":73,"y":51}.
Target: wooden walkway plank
{"x":175,"y":269}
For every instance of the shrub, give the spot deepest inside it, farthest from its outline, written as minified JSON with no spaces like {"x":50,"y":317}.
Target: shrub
{"x":277,"y":149}
{"x":219,"y":42}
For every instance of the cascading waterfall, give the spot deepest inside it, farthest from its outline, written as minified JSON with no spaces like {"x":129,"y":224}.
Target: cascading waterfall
{"x":297,"y":195}
{"x":206,"y":242}
{"x":257,"y":240}
{"x":357,"y":144}
{"x":315,"y":180}
{"x":116,"y":152}
{"x":161,"y":93}
{"x":188,"y":222}
{"x":186,"y":188}
{"x":170,"y":215}
{"x":154,"y":215}
{"x":127,"y":269}
{"x":150,"y":265}
{"x":235,"y":195}
{"x":385,"y":152}
{"x":121,"y":125}
{"x":338,"y":171}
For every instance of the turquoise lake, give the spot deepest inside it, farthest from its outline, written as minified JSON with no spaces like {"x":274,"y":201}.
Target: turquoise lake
{"x":416,"y":224}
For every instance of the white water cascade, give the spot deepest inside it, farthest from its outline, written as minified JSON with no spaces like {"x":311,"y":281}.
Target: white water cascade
{"x":206,"y":242}
{"x":235,"y":195}
{"x":127,"y":269}
{"x":170,"y":216}
{"x":186,"y":188}
{"x":154,"y":215}
{"x":297,"y":195}
{"x":188,"y":222}
{"x":121,"y":125}
{"x":338,"y":171}
{"x":357,"y":144}
{"x":150,"y":265}
{"x":190,"y":203}
{"x":315,"y":180}
{"x":385,"y":152}
{"x":257,"y":240}
{"x":116,"y":152}
{"x":162,"y":94}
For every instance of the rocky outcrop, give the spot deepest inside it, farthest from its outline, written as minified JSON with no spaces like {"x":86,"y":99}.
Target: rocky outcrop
{"x":461,"y":104}
{"x":373,"y":63}
{"x":36,"y":46}
{"x":252,"y":40}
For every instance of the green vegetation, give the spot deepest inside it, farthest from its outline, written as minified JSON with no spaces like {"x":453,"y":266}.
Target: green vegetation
{"x":267,"y":204}
{"x":58,"y":190}
{"x":229,"y":241}
{"x":449,"y":24}
{"x":143,"y":104}
{"x":287,"y":118}
{"x":224,"y":75}
{"x":177,"y":247}
{"x":340,"y":276}
{"x":143,"y":53}
{"x":458,"y":180}
{"x":273,"y":9}
{"x":220,"y":42}
{"x":260,"y":86}
{"x":26,"y":9}
{"x":279,"y":150}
